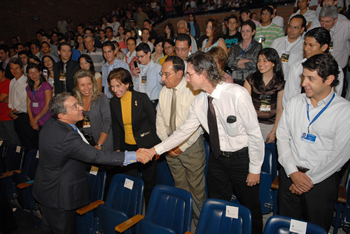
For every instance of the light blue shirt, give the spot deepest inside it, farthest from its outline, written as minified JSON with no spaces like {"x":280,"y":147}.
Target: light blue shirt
{"x":130,"y":157}
{"x":106,"y":69}
{"x":153,"y":85}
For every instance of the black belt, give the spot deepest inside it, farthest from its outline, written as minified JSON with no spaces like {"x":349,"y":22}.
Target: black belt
{"x":302,"y":169}
{"x":155,"y":102}
{"x":235,"y":153}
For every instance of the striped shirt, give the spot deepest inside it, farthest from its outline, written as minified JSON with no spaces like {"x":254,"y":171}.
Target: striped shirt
{"x":268,"y":33}
{"x":97,"y":57}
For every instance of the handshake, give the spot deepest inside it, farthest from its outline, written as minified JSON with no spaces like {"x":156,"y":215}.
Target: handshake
{"x":145,"y":155}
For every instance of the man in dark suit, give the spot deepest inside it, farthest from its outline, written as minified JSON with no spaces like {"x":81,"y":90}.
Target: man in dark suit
{"x":5,"y":60}
{"x":65,"y":69}
{"x":61,"y":184}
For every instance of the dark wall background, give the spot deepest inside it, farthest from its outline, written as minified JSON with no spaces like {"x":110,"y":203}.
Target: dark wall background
{"x":16,"y":15}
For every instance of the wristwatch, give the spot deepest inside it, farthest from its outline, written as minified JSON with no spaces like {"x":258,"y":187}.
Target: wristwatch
{"x":99,"y":145}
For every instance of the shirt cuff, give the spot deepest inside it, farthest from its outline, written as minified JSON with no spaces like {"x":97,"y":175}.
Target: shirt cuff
{"x":289,"y":169}
{"x":159,"y":149}
{"x":130,"y":157}
{"x":254,"y":169}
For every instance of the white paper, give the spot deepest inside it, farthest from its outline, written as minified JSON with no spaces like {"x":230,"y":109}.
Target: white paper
{"x":232,"y":212}
{"x":297,"y":226}
{"x":37,"y":154}
{"x":18,"y":149}
{"x":129,"y":184}
{"x":94,"y":170}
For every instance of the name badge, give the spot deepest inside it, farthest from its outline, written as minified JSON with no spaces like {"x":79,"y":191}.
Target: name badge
{"x":262,"y":39}
{"x":86,"y":122}
{"x":265,"y":103}
{"x":62,"y":76}
{"x":307,"y":137}
{"x":285,"y":56}
{"x":144,"y":79}
{"x":331,"y":46}
{"x":35,"y":104}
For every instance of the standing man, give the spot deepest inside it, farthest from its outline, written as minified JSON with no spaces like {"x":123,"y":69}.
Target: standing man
{"x":109,"y":34}
{"x":65,"y":69}
{"x":5,"y":60}
{"x":187,"y":160}
{"x":93,"y":52}
{"x":290,"y":47}
{"x":62,"y":25}
{"x":153,"y":34}
{"x":276,"y":19}
{"x":313,"y":144}
{"x":23,"y":55}
{"x":182,"y":28}
{"x":141,"y":17}
{"x":232,"y":36}
{"x":267,"y":31}
{"x":109,"y":52}
{"x":61,"y":184}
{"x":35,"y":49}
{"x":146,"y":77}
{"x":46,"y":50}
{"x":227,"y":113}
{"x":145,"y":38}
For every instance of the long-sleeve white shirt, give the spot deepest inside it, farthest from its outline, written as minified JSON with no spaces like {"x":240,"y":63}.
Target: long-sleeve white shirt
{"x":18,"y":94}
{"x":331,"y":148}
{"x":228,"y":100}
{"x":184,"y":99}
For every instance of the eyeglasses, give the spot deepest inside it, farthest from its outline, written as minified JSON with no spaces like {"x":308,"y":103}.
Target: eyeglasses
{"x":181,"y":49}
{"x":141,"y":56}
{"x":165,"y":74}
{"x":266,"y":13}
{"x":168,"y":47}
{"x":293,"y":27}
{"x":189,"y":74}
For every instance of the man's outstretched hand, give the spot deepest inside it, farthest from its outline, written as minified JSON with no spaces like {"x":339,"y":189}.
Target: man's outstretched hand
{"x":145,"y":155}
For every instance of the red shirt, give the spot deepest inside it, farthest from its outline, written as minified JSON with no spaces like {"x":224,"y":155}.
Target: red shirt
{"x":4,"y":109}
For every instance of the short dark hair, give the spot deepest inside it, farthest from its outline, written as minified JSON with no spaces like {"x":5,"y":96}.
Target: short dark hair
{"x":108,"y":43}
{"x":325,"y":65}
{"x":321,"y":35}
{"x":24,"y":52}
{"x":170,"y":41}
{"x":63,"y":44}
{"x":158,"y":40}
{"x":299,"y":16}
{"x":56,"y":104}
{"x":17,"y":61}
{"x":37,"y":45}
{"x":143,"y":47}
{"x":131,"y":38}
{"x":122,"y":75}
{"x":267,"y":8}
{"x":148,"y":21}
{"x":44,"y":42}
{"x":109,"y":27}
{"x":47,"y":36}
{"x":250,"y":23}
{"x":5,"y":48}
{"x":232,"y":17}
{"x":16,"y":38}
{"x":145,"y":29}
{"x":178,"y":63}
{"x":244,"y":10}
{"x":184,"y":37}
{"x":15,"y":46}
{"x":88,"y":29}
{"x":38,"y":32}
{"x":204,"y":62}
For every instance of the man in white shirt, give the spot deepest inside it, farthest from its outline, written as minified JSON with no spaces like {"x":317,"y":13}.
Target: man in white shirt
{"x":145,"y":36}
{"x":146,"y":77}
{"x":312,"y":5}
{"x":105,"y":23}
{"x":187,"y":160}
{"x":326,"y":3}
{"x":109,"y":34}
{"x":17,"y":103}
{"x":316,"y":41}
{"x":35,"y":49}
{"x":182,"y":28}
{"x":276,"y":19}
{"x":227,"y":113}
{"x":313,"y":144}
{"x":62,"y":25}
{"x":290,"y":47}
{"x":115,"y":25}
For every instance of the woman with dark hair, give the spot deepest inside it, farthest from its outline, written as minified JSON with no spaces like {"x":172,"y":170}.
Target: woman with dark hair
{"x":34,"y":59}
{"x":213,"y":31}
{"x":120,"y":36}
{"x":133,"y":124}
{"x":48,"y":63}
{"x":266,"y":88}
{"x":243,"y":56}
{"x":39,"y":93}
{"x":87,"y":64}
{"x":122,"y":43}
{"x":169,"y":31}
{"x":194,"y":27}
{"x":79,"y":43}
{"x":158,"y":50}
{"x":102,"y":35}
{"x":169,"y":50}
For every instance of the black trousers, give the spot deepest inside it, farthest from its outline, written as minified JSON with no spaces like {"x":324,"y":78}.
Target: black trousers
{"x":27,"y":135}
{"x":56,"y":220}
{"x":227,"y":174}
{"x":315,"y":206}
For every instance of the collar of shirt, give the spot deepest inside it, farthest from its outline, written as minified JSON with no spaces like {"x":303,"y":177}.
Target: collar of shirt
{"x":291,"y":45}
{"x":321,"y":102}
{"x":146,"y":66}
{"x":181,"y":85}
{"x":94,"y":51}
{"x":217,"y":91}
{"x":132,"y":55}
{"x":266,"y":26}
{"x":74,"y":127}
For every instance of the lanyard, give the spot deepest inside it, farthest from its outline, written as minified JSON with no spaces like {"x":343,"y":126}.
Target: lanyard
{"x":319,"y":113}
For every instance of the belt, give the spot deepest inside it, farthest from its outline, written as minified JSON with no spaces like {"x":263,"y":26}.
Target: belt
{"x":302,"y":169}
{"x":235,"y":153}
{"x":155,"y":101}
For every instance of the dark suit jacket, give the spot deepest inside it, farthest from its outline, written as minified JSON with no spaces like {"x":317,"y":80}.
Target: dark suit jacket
{"x":143,"y":122}
{"x":60,"y":180}
{"x":72,"y":68}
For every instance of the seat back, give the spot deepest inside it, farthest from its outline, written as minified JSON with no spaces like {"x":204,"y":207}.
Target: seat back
{"x":164,"y":176}
{"x":30,"y":164}
{"x":120,"y":198}
{"x":213,"y":218}
{"x":280,"y":224}
{"x":266,"y":194}
{"x":270,"y":161}
{"x":171,"y":208}
{"x":14,"y":158}
{"x":97,"y":185}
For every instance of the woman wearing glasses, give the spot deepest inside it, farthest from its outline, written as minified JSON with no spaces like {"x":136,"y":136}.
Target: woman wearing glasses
{"x":243,"y":56}
{"x":133,"y":124}
{"x":213,"y":31}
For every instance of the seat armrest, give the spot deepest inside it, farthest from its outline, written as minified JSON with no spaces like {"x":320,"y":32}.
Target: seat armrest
{"x":90,"y":207}
{"x":342,"y":194}
{"x":276,"y":183}
{"x":188,"y":233}
{"x":129,"y":223}
{"x":25,"y":184}
{"x":9,"y":173}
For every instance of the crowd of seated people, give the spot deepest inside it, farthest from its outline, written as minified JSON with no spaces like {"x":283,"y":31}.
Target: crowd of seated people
{"x":121,"y":70}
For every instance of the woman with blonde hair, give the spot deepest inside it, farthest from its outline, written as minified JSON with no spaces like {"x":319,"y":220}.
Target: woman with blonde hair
{"x":220,"y":58}
{"x":213,"y":31}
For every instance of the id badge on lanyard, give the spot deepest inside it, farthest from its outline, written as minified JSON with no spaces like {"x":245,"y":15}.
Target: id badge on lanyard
{"x":86,"y":122}
{"x":265,"y":103}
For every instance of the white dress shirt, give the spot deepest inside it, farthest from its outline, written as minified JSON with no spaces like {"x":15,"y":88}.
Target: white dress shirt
{"x":184,"y":99}
{"x":278,"y":20}
{"x":309,"y":15}
{"x":18,"y":94}
{"x":228,"y":100}
{"x":293,"y":83}
{"x":295,"y":49}
{"x":331,"y":149}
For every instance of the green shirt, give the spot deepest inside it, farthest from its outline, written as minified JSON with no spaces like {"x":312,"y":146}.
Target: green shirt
{"x":268,"y":33}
